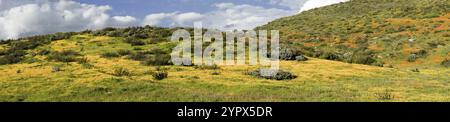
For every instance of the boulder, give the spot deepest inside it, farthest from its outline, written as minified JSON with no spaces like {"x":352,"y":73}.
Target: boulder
{"x":301,"y":58}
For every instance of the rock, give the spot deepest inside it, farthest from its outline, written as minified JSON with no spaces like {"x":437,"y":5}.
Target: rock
{"x":287,"y":54}
{"x":301,"y":58}
{"x":272,"y":74}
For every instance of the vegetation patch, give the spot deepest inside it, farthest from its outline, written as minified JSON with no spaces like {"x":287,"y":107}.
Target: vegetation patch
{"x":121,"y":72}
{"x":110,"y":54}
{"x":64,"y":56}
{"x":160,"y":75}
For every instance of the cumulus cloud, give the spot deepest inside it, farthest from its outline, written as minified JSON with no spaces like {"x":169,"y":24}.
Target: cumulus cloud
{"x":311,"y":4}
{"x":172,"y":19}
{"x":123,"y":21}
{"x":229,"y":16}
{"x":20,"y":18}
{"x":292,"y":4}
{"x":226,"y":16}
{"x":25,"y":18}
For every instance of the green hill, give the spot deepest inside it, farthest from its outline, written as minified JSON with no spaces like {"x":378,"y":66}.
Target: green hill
{"x":394,"y":33}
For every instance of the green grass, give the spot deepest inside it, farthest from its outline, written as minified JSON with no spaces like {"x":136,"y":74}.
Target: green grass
{"x":318,"y":80}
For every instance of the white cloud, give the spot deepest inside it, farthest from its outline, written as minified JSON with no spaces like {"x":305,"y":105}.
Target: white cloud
{"x":292,"y":4}
{"x":25,"y":18}
{"x":311,"y":4}
{"x":172,"y":19}
{"x":123,"y":21}
{"x":227,"y":16}
{"x":19,"y":18}
{"x":157,"y":19}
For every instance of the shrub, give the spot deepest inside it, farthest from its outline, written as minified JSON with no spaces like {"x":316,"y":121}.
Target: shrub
{"x":158,"y":60}
{"x":43,"y":52}
{"x":379,"y":64}
{"x":362,"y":59}
{"x":56,"y":68}
{"x":273,"y":74}
{"x":140,"y":56}
{"x":114,"y":34}
{"x":60,"y":36}
{"x":141,"y":35}
{"x":207,"y":67}
{"x":108,"y":29}
{"x":121,"y":72}
{"x":215,"y":73}
{"x":446,"y":63}
{"x":64,"y":56}
{"x":134,"y":41}
{"x":110,"y":54}
{"x":435,"y":44}
{"x":11,"y":58}
{"x":87,"y":65}
{"x":83,"y":60}
{"x":421,"y":53}
{"x":412,"y":58}
{"x":3,"y":52}
{"x":123,"y":52}
{"x":159,"y":75}
{"x":331,"y":56}
{"x":415,"y":70}
{"x":31,"y":60}
{"x":386,"y":95}
{"x":137,"y":48}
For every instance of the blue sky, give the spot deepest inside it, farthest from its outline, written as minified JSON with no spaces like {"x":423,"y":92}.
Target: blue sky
{"x":20,"y":18}
{"x":140,"y":8}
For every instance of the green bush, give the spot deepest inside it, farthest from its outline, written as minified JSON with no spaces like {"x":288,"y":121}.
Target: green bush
{"x":82,"y":60}
{"x":386,"y":95}
{"x":110,"y":54}
{"x":159,"y":75}
{"x":139,"y":56}
{"x":13,"y":57}
{"x":141,"y":35}
{"x":215,"y":73}
{"x":421,"y":53}
{"x":207,"y":67}
{"x":64,"y":56}
{"x":362,"y":59}
{"x":43,"y":52}
{"x":157,"y":60}
{"x":446,"y":63}
{"x":331,"y":56}
{"x":123,"y":52}
{"x":134,"y":41}
{"x":412,"y":58}
{"x":121,"y":72}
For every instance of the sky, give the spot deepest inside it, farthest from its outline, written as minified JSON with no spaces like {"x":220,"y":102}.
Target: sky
{"x":21,"y":18}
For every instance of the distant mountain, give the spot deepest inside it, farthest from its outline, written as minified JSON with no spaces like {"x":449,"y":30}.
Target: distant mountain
{"x":394,"y":33}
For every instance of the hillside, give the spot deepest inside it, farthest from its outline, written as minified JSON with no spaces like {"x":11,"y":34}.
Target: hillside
{"x":393,"y":33}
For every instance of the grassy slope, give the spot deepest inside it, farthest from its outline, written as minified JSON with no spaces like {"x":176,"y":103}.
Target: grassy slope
{"x":319,"y":80}
{"x":382,"y":27}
